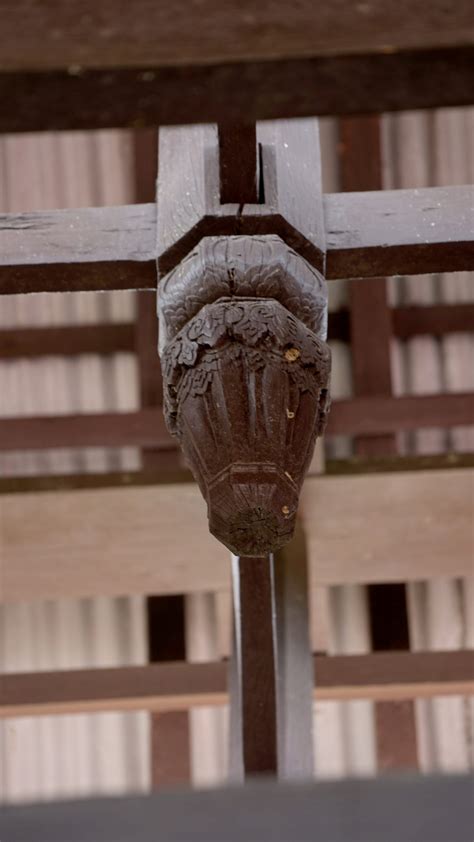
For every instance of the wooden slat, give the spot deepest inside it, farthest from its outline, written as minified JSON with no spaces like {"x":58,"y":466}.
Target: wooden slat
{"x":146,"y":428}
{"x":113,"y":64}
{"x":115,"y":248}
{"x":105,"y":338}
{"x":408,"y":321}
{"x":120,"y":540}
{"x":181,"y":685}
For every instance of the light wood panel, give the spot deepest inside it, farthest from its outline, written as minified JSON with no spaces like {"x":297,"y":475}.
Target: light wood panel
{"x":154,"y":539}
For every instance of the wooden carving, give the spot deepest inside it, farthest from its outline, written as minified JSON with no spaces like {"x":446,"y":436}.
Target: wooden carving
{"x":246,"y":379}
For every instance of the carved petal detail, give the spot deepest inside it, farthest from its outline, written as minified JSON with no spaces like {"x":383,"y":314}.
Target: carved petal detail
{"x":260,"y":267}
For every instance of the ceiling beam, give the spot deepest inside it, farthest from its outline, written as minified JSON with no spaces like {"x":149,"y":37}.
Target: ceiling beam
{"x":113,"y":64}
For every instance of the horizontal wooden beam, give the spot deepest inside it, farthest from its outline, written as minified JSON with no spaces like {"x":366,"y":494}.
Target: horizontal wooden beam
{"x":130,"y":540}
{"x":133,"y":479}
{"x":78,"y":250}
{"x":399,"y":232}
{"x":116,"y":64}
{"x":106,"y":338}
{"x":396,"y":232}
{"x":146,"y":428}
{"x":180,"y":685}
{"x":67,"y":340}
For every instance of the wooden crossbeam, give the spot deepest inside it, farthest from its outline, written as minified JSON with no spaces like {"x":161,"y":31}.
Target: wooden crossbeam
{"x":105,"y":338}
{"x":395,"y":232}
{"x":115,"y":64}
{"x":370,"y":415}
{"x":181,"y":685}
{"x":114,"y":541}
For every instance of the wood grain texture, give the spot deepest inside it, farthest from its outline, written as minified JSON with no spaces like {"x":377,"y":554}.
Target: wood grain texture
{"x":367,"y":235}
{"x":292,"y":182}
{"x":180,"y":685}
{"x":119,"y":541}
{"x":399,"y":232}
{"x":110,"y":65}
{"x":78,"y":249}
{"x":188,"y":190}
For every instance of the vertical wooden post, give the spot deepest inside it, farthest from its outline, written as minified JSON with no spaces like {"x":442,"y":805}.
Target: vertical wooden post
{"x":361,"y":169}
{"x":170,"y":745}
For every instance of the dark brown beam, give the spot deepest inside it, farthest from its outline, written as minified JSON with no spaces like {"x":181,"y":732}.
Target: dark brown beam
{"x":368,"y":234}
{"x":120,"y":64}
{"x":105,"y":338}
{"x":180,"y":685}
{"x":146,"y":428}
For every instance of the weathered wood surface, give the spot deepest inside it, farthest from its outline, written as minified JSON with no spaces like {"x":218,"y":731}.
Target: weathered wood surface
{"x":399,"y":232}
{"x":407,"y":321}
{"x":119,"y":541}
{"x":146,"y":428}
{"x":111,"y":64}
{"x":115,"y":248}
{"x":246,"y":380}
{"x":83,"y":249}
{"x":181,"y":685}
{"x":292,"y":186}
{"x":394,"y":808}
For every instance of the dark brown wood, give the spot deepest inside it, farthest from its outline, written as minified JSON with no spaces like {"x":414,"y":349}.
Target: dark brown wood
{"x":115,"y":248}
{"x":73,"y":250}
{"x":110,"y":65}
{"x":180,"y":685}
{"x":105,"y":338}
{"x":238,"y":163}
{"x":361,"y":169}
{"x":246,"y":378}
{"x":435,"y":320}
{"x":254,"y":605}
{"x":146,"y":428}
{"x":333,"y":467}
{"x":398,"y":232}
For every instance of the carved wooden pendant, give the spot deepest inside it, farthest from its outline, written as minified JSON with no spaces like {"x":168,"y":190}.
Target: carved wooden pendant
{"x":246,"y":379}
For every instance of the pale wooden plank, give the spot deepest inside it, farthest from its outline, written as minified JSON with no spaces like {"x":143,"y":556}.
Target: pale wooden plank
{"x":403,"y":526}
